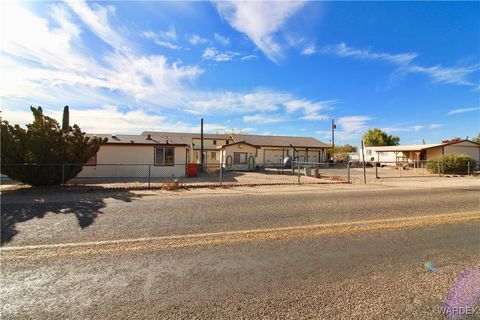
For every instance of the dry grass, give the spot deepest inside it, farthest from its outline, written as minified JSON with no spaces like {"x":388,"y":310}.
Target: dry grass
{"x":173,"y":185}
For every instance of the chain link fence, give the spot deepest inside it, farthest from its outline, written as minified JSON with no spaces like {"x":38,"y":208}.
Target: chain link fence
{"x":149,"y":175}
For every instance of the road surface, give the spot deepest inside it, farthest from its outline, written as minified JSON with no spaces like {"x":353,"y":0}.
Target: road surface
{"x":347,"y":254}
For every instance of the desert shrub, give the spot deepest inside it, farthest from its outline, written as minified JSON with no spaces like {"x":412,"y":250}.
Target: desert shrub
{"x":451,"y":163}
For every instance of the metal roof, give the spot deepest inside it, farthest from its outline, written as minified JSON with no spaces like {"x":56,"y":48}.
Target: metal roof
{"x":186,"y":139}
{"x":142,"y":139}
{"x":281,"y":141}
{"x":412,"y":147}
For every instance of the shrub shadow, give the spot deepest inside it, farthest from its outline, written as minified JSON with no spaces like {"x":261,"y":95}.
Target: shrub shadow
{"x":22,"y":205}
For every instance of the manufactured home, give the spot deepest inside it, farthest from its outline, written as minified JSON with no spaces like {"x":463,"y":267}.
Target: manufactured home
{"x":393,"y":155}
{"x":168,"y":154}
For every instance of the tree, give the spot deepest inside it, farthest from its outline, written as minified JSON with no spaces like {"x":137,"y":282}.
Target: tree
{"x":377,"y":137}
{"x":451,"y":163}
{"x":65,"y":119}
{"x":477,"y":139}
{"x":36,"y":155}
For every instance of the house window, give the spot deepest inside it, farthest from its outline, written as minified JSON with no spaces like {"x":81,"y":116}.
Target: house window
{"x":164,"y":156}
{"x":369,"y":152}
{"x":239,"y":158}
{"x":227,"y":142}
{"x":213,"y":156}
{"x":92,"y":161}
{"x":214,"y":142}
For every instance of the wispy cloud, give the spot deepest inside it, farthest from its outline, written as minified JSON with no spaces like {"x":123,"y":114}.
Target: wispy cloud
{"x":260,"y":20}
{"x":453,"y":75}
{"x":195,"y":39}
{"x":311,"y":110}
{"x":343,"y":50}
{"x":462,"y":110}
{"x":448,"y":75}
{"x":262,"y":119}
{"x":212,"y":53}
{"x":224,"y":41}
{"x":163,"y":38}
{"x":309,"y":50}
{"x":248,"y":57}
{"x":351,"y":127}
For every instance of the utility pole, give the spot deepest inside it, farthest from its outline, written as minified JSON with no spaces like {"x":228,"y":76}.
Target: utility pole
{"x":201,"y":145}
{"x":333,"y":140}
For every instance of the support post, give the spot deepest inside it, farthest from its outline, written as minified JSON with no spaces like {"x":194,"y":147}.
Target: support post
{"x":221,"y":166}
{"x":468,"y":168}
{"x":438,"y":169}
{"x":298,"y":169}
{"x":363,"y":164}
{"x":63,"y":175}
{"x":202,"y":160}
{"x":149,"y":177}
{"x":348,"y":172}
{"x":376,"y":171}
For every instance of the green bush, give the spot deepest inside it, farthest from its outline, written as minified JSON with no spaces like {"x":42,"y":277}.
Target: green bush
{"x":451,"y":163}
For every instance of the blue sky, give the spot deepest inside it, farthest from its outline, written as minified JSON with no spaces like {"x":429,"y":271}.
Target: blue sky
{"x":411,"y":68}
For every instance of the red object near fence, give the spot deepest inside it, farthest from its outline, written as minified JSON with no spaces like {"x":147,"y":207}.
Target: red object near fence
{"x":192,"y":170}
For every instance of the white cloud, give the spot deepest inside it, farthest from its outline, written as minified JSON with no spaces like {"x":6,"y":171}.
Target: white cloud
{"x":439,"y":74}
{"x":212,"y":53}
{"x":351,"y":127}
{"x":224,"y":41}
{"x":309,"y":109}
{"x":454,"y":75}
{"x":462,"y":110}
{"x":111,"y":120}
{"x":260,"y":20}
{"x":248,"y":57}
{"x":45,"y":63}
{"x":262,"y":119}
{"x":169,"y":34}
{"x":343,"y":50}
{"x":309,"y":50}
{"x":195,"y":39}
{"x":163,"y":38}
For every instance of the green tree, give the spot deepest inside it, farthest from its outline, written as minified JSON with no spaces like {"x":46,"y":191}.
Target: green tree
{"x":377,"y":137}
{"x":477,"y":139}
{"x":65,"y":119}
{"x":45,"y":144}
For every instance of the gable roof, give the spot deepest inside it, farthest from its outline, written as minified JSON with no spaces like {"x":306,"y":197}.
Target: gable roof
{"x":123,"y":139}
{"x":237,"y":143}
{"x":281,"y":141}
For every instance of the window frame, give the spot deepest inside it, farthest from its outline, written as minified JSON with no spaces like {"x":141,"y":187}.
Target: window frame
{"x":240,"y":153}
{"x":164,"y":164}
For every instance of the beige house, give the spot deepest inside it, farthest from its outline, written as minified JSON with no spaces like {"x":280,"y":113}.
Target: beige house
{"x":423,"y":152}
{"x":166,"y":154}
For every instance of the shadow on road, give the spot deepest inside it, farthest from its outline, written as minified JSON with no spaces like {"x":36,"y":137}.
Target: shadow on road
{"x":26,"y":204}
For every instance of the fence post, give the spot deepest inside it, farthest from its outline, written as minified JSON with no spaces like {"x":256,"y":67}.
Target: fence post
{"x":376,"y":171}
{"x":298,"y":169}
{"x":348,"y":171}
{"x":438,"y":169}
{"x":221,"y":166}
{"x":149,"y":175}
{"x":443,"y":170}
{"x":63,"y":174}
{"x":468,"y":168}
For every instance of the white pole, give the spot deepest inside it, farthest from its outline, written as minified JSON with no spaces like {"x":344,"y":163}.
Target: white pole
{"x":221,"y":165}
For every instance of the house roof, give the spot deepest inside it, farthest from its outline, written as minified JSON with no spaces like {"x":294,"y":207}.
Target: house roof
{"x":411,"y":147}
{"x":141,"y":139}
{"x":180,"y":138}
{"x":281,"y":141}
{"x":236,"y":143}
{"x":187,"y":135}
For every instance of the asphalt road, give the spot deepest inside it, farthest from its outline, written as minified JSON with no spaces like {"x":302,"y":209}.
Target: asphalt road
{"x":348,"y":254}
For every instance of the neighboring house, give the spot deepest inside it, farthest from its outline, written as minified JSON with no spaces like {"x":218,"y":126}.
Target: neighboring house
{"x":392,"y":155}
{"x":166,"y":154}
